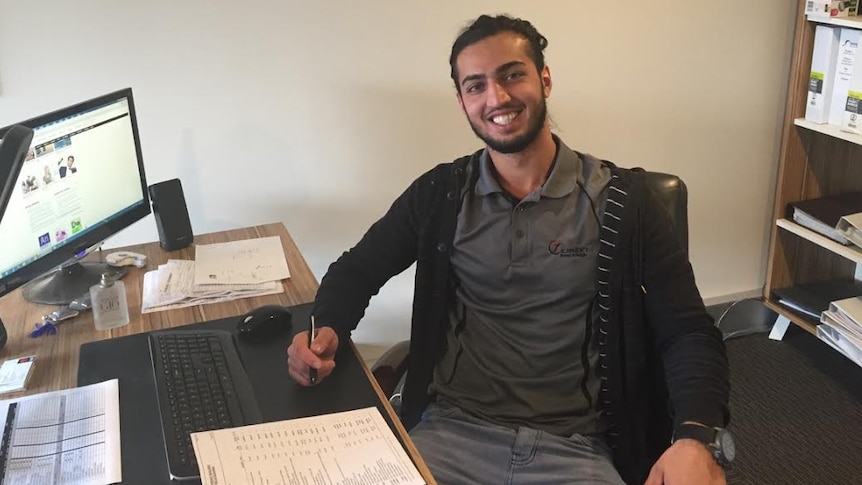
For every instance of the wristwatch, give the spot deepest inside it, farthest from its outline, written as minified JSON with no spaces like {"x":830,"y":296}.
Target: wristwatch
{"x":718,"y":440}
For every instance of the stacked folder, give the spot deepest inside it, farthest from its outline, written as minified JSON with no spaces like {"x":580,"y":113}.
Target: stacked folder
{"x":838,"y":217}
{"x":835,"y":307}
{"x":850,"y":227}
{"x":812,"y":299}
{"x":841,"y":328}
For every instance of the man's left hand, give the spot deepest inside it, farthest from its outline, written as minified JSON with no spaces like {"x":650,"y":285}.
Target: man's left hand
{"x":686,"y":462}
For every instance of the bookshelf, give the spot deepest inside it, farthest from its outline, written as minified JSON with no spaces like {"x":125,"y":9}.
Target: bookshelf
{"x":850,"y":252}
{"x":829,"y":130}
{"x":816,"y":161}
{"x":852,"y":22}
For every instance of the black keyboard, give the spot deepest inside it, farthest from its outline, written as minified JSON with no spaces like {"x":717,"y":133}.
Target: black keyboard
{"x":201,"y":385}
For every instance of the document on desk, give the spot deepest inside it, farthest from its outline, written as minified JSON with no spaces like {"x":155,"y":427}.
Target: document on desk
{"x":248,"y":261}
{"x":63,"y":437}
{"x":353,"y":447}
{"x":172,"y":286}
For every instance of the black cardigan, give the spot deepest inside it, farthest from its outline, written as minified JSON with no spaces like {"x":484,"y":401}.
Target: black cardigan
{"x":662,"y":361}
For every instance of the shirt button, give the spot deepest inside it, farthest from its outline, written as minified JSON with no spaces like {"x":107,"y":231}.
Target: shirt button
{"x":520,"y":208}
{"x":441,"y":247}
{"x":519,"y":233}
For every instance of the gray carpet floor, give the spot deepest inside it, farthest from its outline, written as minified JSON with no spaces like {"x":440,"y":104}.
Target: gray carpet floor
{"x":796,"y":408}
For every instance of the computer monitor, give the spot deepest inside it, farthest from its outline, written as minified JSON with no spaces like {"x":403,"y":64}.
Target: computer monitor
{"x":13,"y":149}
{"x":82,"y":181}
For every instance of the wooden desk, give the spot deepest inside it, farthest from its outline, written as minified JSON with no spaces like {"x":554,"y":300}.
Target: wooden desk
{"x":57,"y":355}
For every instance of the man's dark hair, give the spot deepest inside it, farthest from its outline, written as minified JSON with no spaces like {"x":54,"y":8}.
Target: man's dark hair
{"x":486,"y":26}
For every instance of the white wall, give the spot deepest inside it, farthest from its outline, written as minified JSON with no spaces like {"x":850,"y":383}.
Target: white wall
{"x":319,"y":114}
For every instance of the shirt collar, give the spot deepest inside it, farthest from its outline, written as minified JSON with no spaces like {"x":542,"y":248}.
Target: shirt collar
{"x":566,"y":171}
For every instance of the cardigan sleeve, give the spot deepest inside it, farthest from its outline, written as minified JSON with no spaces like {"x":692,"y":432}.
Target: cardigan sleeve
{"x":692,"y":349}
{"x":387,"y":248}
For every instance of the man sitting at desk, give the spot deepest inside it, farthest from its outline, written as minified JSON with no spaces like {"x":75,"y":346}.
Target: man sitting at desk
{"x":550,"y":294}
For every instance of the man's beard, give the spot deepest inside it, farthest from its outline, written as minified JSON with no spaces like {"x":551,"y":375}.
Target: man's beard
{"x":519,"y":143}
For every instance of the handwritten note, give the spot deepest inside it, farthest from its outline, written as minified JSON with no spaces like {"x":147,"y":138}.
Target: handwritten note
{"x":241,"y":262}
{"x":352,"y":447}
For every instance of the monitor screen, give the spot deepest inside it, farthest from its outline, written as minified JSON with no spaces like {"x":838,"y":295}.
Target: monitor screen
{"x":82,"y":181}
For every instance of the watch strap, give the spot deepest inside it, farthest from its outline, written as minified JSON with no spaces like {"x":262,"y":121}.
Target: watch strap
{"x":709,"y":437}
{"x":704,"y":434}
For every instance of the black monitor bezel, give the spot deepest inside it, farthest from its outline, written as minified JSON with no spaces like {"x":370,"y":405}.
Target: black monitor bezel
{"x":14,"y":143}
{"x":95,"y":235}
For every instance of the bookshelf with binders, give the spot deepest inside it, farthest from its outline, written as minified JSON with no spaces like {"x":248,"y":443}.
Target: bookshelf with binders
{"x":817,"y":160}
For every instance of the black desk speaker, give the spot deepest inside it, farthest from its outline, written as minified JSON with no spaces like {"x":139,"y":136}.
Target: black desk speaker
{"x":172,"y":215}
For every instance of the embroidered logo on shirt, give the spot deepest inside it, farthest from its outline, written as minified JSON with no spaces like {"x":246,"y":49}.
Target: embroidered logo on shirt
{"x":557,"y":249}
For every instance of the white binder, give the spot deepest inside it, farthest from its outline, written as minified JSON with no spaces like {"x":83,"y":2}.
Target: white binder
{"x":850,"y":227}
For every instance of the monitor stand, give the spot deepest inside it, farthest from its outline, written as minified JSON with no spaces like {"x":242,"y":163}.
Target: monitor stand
{"x":61,"y":286}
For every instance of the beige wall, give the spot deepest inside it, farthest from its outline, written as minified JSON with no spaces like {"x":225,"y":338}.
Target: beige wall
{"x":319,"y":113}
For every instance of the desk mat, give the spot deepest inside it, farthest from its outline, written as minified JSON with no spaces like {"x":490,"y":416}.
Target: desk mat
{"x":128,"y":359}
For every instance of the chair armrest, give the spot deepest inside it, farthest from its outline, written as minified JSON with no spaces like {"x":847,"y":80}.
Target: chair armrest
{"x":391,"y":367}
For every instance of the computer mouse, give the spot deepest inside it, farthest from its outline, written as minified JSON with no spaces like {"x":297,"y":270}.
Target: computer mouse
{"x":264,"y":322}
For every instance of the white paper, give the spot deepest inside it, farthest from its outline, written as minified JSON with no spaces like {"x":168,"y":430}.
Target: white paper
{"x":241,"y":262}
{"x":151,"y":298}
{"x":780,"y":327}
{"x":69,"y":437}
{"x":14,"y":373}
{"x":176,"y":279}
{"x":356,"y":447}
{"x":172,"y":286}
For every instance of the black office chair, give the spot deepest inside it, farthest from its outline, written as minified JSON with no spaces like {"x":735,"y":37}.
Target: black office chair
{"x":391,"y":367}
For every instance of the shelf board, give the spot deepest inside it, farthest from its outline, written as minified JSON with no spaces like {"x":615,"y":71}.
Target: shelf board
{"x":830,"y":130}
{"x":852,"y":22}
{"x":850,"y":252}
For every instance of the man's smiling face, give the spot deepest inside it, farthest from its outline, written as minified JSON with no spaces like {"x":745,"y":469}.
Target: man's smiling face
{"x":502,"y":92}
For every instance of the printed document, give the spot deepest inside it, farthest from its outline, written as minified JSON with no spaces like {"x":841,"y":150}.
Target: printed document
{"x":172,"y":286}
{"x":241,"y":262}
{"x":63,"y":437}
{"x":353,"y":447}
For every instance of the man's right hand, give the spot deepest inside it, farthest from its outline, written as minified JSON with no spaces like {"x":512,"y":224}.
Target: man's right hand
{"x":320,"y":356}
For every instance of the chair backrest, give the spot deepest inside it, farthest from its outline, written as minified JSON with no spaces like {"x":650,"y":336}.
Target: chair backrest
{"x":672,"y":192}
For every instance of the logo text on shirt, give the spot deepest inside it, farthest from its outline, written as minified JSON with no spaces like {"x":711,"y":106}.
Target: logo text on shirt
{"x":558,"y":249}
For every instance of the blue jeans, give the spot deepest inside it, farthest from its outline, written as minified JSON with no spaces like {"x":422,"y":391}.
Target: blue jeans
{"x":461,"y":449}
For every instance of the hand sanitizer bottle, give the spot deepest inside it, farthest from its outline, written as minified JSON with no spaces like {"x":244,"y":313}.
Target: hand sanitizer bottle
{"x":110,"y":309}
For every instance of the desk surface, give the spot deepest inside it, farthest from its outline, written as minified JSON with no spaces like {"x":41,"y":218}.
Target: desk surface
{"x":57,"y":361}
{"x":57,"y":355}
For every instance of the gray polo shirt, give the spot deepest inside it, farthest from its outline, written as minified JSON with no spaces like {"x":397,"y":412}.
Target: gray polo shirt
{"x":523,"y":278}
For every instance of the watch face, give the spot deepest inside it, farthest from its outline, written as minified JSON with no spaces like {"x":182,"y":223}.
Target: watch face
{"x":727,"y":445}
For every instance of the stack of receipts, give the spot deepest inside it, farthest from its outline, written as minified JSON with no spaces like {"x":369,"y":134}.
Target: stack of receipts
{"x":220,"y":272}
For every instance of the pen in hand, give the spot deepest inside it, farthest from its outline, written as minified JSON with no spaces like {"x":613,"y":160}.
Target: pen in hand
{"x":312,"y":372}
